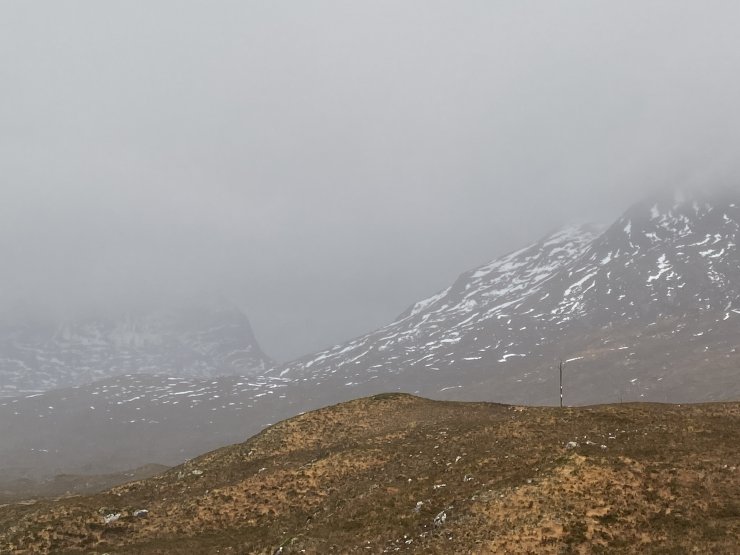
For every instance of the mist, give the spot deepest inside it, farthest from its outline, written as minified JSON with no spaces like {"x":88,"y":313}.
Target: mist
{"x":327,"y":164}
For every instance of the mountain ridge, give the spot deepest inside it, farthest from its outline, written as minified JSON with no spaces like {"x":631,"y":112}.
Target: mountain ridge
{"x":589,"y":289}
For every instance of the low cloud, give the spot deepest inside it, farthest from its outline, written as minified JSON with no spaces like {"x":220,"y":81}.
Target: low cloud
{"x":326,"y":164}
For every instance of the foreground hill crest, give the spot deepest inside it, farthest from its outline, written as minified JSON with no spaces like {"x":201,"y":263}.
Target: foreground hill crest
{"x":396,"y":473}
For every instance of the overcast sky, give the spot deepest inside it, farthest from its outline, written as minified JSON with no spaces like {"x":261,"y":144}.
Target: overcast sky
{"x":327,"y":163}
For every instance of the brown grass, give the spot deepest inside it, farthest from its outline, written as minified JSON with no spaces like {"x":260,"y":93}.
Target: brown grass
{"x":349,"y":479}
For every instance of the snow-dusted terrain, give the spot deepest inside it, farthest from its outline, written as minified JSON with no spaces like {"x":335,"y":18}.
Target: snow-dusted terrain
{"x":114,"y":423}
{"x":197,"y":342}
{"x":647,"y":309}
{"x":637,"y":309}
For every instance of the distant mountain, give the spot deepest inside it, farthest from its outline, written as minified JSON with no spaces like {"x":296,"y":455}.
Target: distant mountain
{"x":195,"y":342}
{"x":647,"y":309}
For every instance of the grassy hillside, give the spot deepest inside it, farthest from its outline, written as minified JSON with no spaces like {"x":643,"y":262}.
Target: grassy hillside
{"x":396,"y":473}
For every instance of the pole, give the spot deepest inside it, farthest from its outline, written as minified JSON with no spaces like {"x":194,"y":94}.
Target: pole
{"x":561,"y":384}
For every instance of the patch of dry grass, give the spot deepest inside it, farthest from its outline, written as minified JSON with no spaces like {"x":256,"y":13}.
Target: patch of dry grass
{"x":373,"y":475}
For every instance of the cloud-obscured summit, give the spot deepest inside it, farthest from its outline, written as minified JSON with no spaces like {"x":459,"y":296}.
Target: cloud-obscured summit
{"x":196,"y":341}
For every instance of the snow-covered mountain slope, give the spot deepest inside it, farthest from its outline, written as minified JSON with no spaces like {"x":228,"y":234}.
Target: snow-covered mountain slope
{"x":639,"y":311}
{"x":458,"y":326}
{"x":196,"y":342}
